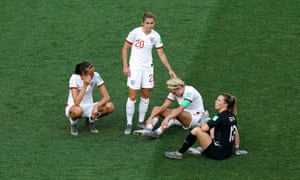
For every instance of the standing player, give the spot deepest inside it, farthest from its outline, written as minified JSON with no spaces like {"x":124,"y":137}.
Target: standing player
{"x":139,"y":70}
{"x":80,"y":101}
{"x":189,"y":113}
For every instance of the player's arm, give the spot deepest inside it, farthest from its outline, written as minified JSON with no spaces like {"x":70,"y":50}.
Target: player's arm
{"x":78,"y":95}
{"x":237,"y":150}
{"x":204,"y":126}
{"x":173,"y":114}
{"x":210,"y":125}
{"x":105,"y":99}
{"x":236,"y":138}
{"x":163,"y":57}
{"x":161,"y":109}
{"x":105,"y":95}
{"x":125,"y":49}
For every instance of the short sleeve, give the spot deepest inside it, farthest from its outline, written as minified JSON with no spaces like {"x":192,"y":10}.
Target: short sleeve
{"x":159,"y":42}
{"x":171,"y":97}
{"x":131,"y":36}
{"x":73,"y":82}
{"x":213,"y":122}
{"x":98,"y":78}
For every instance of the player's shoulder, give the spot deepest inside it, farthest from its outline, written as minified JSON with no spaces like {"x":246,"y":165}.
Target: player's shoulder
{"x":97,"y":75}
{"x":194,"y":90}
{"x":75,"y":76}
{"x":133,"y":34}
{"x":190,"y":88}
{"x":155,"y":33}
{"x":75,"y":79}
{"x":136,"y":30}
{"x":226,"y":114}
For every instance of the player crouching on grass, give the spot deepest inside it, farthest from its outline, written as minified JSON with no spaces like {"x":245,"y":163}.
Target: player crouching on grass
{"x":80,"y":101}
{"x":189,"y":113}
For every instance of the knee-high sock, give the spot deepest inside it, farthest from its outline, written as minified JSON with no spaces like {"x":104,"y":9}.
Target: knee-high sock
{"x":73,"y":122}
{"x":173,"y":122}
{"x":143,"y":107}
{"x":154,"y":121}
{"x":188,"y":142}
{"x":130,"y":107}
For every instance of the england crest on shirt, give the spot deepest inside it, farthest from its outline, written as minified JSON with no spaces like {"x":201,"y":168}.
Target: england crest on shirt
{"x":152,"y":40}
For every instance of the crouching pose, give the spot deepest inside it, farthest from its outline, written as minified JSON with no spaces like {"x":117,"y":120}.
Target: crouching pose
{"x":189,"y":113}
{"x":80,"y":101}
{"x":221,"y":144}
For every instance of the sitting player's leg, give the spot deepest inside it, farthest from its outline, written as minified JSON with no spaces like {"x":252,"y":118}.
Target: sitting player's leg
{"x":174,"y":122}
{"x":187,"y":143}
{"x":185,"y":119}
{"x":198,"y":118}
{"x":202,"y":136}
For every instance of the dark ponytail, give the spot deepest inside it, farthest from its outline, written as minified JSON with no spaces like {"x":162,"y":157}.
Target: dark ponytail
{"x":231,"y":102}
{"x":83,"y":67}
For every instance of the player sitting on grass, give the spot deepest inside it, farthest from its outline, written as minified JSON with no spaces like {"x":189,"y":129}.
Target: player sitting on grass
{"x":189,"y":113}
{"x":225,"y":138}
{"x":236,"y":149}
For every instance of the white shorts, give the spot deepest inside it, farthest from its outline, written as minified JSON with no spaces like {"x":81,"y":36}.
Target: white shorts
{"x":87,"y":110}
{"x":141,"y":79}
{"x":197,"y":118}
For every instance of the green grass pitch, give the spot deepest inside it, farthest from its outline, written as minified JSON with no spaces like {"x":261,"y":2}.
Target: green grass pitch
{"x":248,"y":48}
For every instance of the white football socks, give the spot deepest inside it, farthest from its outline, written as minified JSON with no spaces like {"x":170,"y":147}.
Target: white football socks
{"x":130,"y":107}
{"x":73,"y":122}
{"x":173,"y":122}
{"x":154,"y":121}
{"x":159,"y":131}
{"x":143,"y":107}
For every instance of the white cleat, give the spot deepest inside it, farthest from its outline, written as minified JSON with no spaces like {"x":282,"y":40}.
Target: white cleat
{"x":195,"y":150}
{"x":141,"y":132}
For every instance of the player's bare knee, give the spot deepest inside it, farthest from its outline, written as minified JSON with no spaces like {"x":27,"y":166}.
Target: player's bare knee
{"x":145,"y":96}
{"x":76,"y":112}
{"x":110,"y":106}
{"x":132,"y":97}
{"x":196,"y":130}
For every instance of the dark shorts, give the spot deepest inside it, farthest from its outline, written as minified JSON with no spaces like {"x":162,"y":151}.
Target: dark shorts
{"x":217,"y":152}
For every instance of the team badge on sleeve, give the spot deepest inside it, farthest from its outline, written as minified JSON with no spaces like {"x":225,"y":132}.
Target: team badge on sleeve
{"x":215,"y":117}
{"x":100,"y":78}
{"x":188,"y":95}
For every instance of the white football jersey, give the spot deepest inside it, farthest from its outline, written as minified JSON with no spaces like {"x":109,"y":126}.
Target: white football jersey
{"x":141,"y":49}
{"x":193,"y":96}
{"x":77,"y":83}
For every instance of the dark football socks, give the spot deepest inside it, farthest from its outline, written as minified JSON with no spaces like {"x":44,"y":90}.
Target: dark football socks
{"x":188,"y":142}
